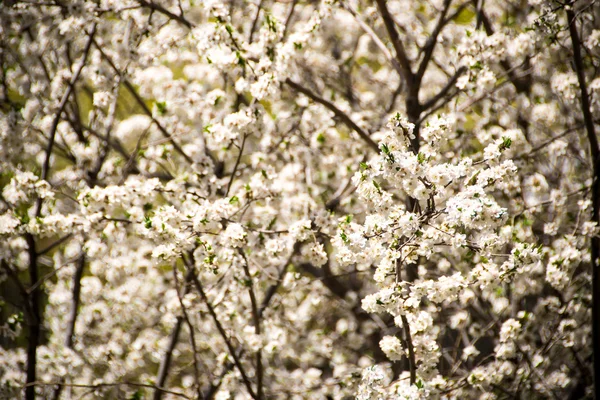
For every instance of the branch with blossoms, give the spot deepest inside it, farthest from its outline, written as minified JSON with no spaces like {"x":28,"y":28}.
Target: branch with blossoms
{"x":328,"y":199}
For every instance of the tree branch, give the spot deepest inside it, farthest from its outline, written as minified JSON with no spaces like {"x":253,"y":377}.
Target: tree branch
{"x":143,"y":105}
{"x":57,"y":116}
{"x":165,"y":363}
{"x":256,"y":322}
{"x":375,"y":38}
{"x":403,"y":60}
{"x":595,"y":155}
{"x":222,"y":332}
{"x":338,"y":113}
{"x":34,"y":323}
{"x":432,"y":41}
{"x":444,"y":91}
{"x":101,"y":385}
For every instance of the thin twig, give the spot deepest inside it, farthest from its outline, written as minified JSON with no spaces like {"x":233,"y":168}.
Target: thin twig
{"x":256,"y":322}
{"x":237,"y":163}
{"x":101,"y":385}
{"x":57,"y":116}
{"x":222,"y":332}
{"x":390,"y":26}
{"x":375,"y":38}
{"x":165,"y":363}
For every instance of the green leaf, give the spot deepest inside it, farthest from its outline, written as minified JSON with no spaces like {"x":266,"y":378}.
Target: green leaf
{"x":506,"y":143}
{"x":377,"y":186}
{"x":344,"y":237}
{"x":137,"y":395}
{"x":161,"y":107}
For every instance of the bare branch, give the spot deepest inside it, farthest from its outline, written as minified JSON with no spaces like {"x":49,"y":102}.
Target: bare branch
{"x":237,"y":163}
{"x":338,"y":113}
{"x":222,"y":332}
{"x":61,"y":108}
{"x":158,"y":8}
{"x":102,"y":385}
{"x":432,"y":41}
{"x":375,"y":38}
{"x":444,"y":91}
{"x":390,"y":26}
{"x":595,"y":155}
{"x":143,"y":105}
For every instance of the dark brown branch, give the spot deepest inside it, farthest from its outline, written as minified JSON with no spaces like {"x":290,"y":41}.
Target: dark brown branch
{"x":143,"y":105}
{"x":22,"y":290}
{"x":74,"y":313}
{"x":390,"y":26}
{"x":57,"y":116}
{"x":93,"y":174}
{"x":288,"y":19}
{"x":432,"y":41}
{"x":160,"y":9}
{"x":102,"y":385}
{"x":188,"y":321}
{"x":255,"y":21}
{"x":273,"y":288}
{"x":237,"y":163}
{"x":376,"y":39}
{"x":549,"y":141}
{"x":256,"y":322}
{"x":54,"y":244}
{"x":411,"y":350}
{"x":338,"y":113}
{"x":165,"y":363}
{"x":444,"y":91}
{"x":35,"y":321}
{"x":222,"y":332}
{"x":521,"y":83}
{"x":76,"y":301}
{"x":595,"y":154}
{"x":209,"y":394}
{"x":329,"y":281}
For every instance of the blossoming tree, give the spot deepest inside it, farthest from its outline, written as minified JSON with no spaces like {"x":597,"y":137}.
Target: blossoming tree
{"x":299,"y":199}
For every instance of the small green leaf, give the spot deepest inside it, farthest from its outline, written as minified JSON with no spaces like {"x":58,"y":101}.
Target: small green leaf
{"x":344,"y":237}
{"x":377,"y":186}
{"x":506,"y":143}
{"x":161,"y":106}
{"x":137,"y":395}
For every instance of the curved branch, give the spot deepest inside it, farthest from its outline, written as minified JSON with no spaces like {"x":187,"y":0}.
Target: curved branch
{"x":338,"y":113}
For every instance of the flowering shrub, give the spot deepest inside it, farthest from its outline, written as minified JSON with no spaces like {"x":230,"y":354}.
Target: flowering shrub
{"x":227,"y":199}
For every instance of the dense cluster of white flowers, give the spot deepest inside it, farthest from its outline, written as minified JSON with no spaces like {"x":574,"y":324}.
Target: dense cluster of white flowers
{"x":343,"y":199}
